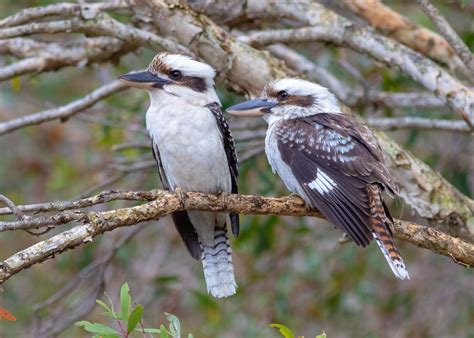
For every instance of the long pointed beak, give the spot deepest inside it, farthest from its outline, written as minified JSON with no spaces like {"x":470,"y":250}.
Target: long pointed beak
{"x":144,"y":79}
{"x":252,"y":108}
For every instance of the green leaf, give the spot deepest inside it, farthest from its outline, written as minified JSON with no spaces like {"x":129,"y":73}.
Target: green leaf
{"x":322,"y":335}
{"x":102,"y":304}
{"x":134,"y":318}
{"x":163,"y":332}
{"x":125,"y":300}
{"x":97,"y":328}
{"x":286,"y":332}
{"x":115,"y":315}
{"x":105,"y":336}
{"x":175,"y":326}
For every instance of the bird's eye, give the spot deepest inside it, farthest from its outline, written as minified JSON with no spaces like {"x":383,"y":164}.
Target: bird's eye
{"x":175,"y":75}
{"x":282,"y":95}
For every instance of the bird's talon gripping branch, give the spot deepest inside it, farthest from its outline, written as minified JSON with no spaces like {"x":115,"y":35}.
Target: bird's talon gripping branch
{"x":181,"y":194}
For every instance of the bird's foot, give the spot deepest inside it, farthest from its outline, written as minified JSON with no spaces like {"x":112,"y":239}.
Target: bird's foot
{"x":223,"y":199}
{"x":181,"y":195}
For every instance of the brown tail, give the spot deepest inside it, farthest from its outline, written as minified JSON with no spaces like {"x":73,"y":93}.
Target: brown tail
{"x":383,"y":235}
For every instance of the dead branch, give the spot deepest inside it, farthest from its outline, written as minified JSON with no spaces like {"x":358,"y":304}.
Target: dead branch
{"x":166,"y":202}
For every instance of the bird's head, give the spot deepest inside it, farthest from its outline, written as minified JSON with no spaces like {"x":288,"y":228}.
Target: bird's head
{"x":176,"y":75}
{"x":288,"y":98}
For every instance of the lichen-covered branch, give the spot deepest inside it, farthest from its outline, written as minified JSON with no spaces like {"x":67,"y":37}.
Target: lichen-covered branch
{"x":165,"y":202}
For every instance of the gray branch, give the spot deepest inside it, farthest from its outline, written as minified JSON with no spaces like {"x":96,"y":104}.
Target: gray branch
{"x":449,"y":34}
{"x":63,"y":112}
{"x":395,"y":123}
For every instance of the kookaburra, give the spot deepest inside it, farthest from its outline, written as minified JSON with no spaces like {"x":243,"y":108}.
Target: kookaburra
{"x":194,"y":150}
{"x":328,"y":158}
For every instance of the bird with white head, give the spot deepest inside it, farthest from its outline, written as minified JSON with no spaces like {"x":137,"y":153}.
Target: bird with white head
{"x":194,"y":150}
{"x":328,"y":158}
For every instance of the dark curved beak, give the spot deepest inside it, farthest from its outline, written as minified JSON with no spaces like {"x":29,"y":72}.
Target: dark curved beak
{"x":252,"y":108}
{"x":144,"y":79}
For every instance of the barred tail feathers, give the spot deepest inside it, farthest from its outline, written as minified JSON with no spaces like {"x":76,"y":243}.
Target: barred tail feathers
{"x":383,"y":236}
{"x":218,"y":267}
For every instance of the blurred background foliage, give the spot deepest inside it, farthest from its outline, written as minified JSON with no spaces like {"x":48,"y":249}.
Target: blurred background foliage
{"x":289,"y":270}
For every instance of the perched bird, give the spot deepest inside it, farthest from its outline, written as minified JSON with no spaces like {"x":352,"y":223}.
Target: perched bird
{"x":328,"y":158}
{"x":194,"y":150}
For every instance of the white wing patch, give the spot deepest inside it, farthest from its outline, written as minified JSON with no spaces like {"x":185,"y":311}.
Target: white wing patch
{"x":322,"y":183}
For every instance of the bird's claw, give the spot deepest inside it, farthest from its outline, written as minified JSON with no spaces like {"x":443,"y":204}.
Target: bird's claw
{"x":181,"y":195}
{"x":222,"y":198}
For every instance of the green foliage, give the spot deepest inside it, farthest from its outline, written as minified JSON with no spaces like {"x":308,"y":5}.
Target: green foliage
{"x":287,"y":333}
{"x":128,"y":320}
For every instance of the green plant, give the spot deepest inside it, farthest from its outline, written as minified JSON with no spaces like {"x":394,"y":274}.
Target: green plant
{"x":287,"y":333}
{"x":129,"y":321}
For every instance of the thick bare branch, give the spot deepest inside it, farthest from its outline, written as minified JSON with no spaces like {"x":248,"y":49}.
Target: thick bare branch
{"x":166,"y":202}
{"x":449,"y":33}
{"x":394,"y":123}
{"x":63,"y":112}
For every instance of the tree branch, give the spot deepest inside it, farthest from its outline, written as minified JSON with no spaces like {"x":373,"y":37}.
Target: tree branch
{"x":165,"y":202}
{"x":53,"y":56}
{"x":449,"y":34}
{"x":352,"y":96}
{"x":63,"y":112}
{"x":62,"y":9}
{"x":394,"y":123}
{"x":400,"y":28}
{"x":457,"y":96}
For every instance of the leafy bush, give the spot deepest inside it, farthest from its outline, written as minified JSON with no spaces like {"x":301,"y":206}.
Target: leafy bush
{"x":129,"y":321}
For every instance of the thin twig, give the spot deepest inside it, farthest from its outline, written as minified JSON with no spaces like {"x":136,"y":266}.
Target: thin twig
{"x":63,"y":112}
{"x":394,"y":123}
{"x":449,"y":34}
{"x":12,"y":207}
